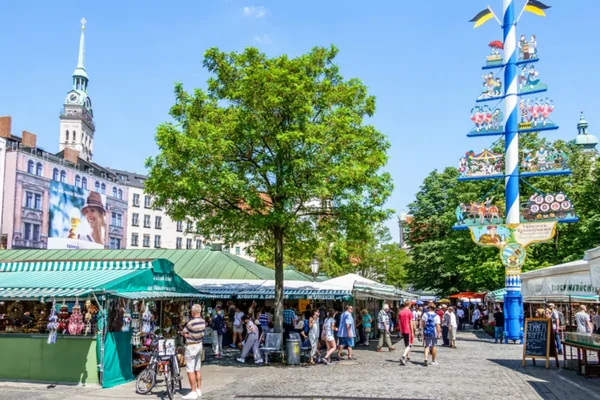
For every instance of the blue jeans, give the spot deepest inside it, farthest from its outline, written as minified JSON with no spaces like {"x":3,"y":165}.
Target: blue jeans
{"x":499,"y":331}
{"x":558,"y":343}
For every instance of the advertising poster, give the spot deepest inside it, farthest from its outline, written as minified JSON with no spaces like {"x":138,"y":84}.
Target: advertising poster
{"x":77,"y":218}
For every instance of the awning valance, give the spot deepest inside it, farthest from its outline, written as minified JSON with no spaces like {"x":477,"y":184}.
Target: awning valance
{"x":92,"y":265}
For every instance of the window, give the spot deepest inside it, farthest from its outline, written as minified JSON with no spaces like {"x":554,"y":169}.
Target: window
{"x":157,"y":222}
{"x":190,"y":226}
{"x":115,"y":243}
{"x":30,"y":167}
{"x":198,"y":244}
{"x":147,"y":221}
{"x":178,"y":242}
{"x":103,"y":189}
{"x":38,"y":169}
{"x":157,"y":241}
{"x":74,"y":136}
{"x":37,"y":203}
{"x":77,"y":180}
{"x":146,"y":241}
{"x":238,"y":251}
{"x":32,"y":231}
{"x":188,"y":244}
{"x":179,"y":226}
{"x":120,"y":194}
{"x":97,"y":186}
{"x":63,"y":176}
{"x":114,"y":191}
{"x":135,"y":219}
{"x":55,"y":174}
{"x":134,"y":239}
{"x":116,"y":219}
{"x":147,"y":201}
{"x":67,"y":135}
{"x":28,"y":200}
{"x":136,"y":200}
{"x":84,"y":183}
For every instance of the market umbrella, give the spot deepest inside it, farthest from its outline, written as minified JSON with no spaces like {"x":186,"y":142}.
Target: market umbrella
{"x":443,"y":301}
{"x":496,"y":44}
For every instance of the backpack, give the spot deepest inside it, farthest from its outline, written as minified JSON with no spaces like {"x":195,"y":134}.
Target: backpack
{"x":430,"y":325}
{"x":305,"y":328}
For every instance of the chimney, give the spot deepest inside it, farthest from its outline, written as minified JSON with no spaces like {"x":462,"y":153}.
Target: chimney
{"x":71,"y":155}
{"x":28,"y":139}
{"x":5,"y":126}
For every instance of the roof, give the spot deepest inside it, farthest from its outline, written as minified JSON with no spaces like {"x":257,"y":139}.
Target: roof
{"x":129,"y":178}
{"x":560,"y":269}
{"x":291,"y":273}
{"x":51,"y":278}
{"x":364,"y":287}
{"x":196,"y":264}
{"x":583,"y":139}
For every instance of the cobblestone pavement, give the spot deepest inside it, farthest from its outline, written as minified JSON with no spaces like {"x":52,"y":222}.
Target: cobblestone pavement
{"x":477,"y":369}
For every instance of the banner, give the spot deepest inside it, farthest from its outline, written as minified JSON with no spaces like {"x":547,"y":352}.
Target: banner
{"x":571,"y":284}
{"x":77,"y":218}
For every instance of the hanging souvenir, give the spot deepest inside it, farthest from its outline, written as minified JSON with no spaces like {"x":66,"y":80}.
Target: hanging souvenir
{"x":147,"y":320}
{"x":88,"y":317}
{"x":126,"y":318}
{"x":40,"y":313}
{"x":135,"y":325}
{"x":76,"y":320}
{"x":52,"y":325}
{"x":15,"y":313}
{"x":63,"y":318}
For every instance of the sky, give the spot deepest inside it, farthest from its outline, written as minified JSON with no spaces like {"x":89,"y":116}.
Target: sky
{"x":421,"y":60}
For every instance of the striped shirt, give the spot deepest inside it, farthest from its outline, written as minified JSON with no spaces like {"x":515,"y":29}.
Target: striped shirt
{"x":194,"y":330}
{"x":383,"y":320}
{"x":288,"y":316}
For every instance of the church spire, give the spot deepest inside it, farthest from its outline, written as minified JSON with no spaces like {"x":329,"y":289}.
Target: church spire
{"x":80,"y":70}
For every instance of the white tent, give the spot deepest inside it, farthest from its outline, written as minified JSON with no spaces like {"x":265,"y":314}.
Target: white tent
{"x":560,"y":283}
{"x":593,"y":258}
{"x":363,"y":288}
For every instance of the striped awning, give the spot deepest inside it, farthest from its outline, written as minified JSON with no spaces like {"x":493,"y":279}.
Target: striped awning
{"x":42,"y":293}
{"x":91,"y":265}
{"x":295,"y":294}
{"x":161,"y":295}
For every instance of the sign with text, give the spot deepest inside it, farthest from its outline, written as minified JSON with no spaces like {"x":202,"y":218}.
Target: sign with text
{"x":538,"y":340}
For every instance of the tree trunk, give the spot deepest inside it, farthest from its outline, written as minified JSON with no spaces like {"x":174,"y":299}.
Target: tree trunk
{"x":278,"y":235}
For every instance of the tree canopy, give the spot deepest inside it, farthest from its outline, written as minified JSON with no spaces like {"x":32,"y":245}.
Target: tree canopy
{"x":275,"y":151}
{"x":447,"y":261}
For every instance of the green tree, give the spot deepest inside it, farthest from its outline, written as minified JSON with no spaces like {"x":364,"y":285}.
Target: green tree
{"x":275,"y":151}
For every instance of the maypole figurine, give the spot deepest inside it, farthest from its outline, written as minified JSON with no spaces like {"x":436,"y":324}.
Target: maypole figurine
{"x":535,"y":222}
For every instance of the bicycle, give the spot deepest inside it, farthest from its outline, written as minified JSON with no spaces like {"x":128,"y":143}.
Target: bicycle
{"x":146,"y":380}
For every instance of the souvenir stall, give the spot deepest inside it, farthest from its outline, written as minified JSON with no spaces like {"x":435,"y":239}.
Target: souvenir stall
{"x":75,"y":321}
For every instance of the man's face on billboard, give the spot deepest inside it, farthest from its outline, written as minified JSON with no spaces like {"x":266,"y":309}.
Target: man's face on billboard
{"x":95,"y":217}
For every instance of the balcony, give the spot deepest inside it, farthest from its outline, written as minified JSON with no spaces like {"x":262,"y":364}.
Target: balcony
{"x":28,"y":244}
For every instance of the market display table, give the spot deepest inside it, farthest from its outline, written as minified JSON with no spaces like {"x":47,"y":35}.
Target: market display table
{"x":584,"y":367}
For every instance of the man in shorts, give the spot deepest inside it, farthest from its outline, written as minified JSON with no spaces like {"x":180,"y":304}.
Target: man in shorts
{"x":346,"y":332}
{"x":407,"y":329}
{"x":194,"y":334}
{"x":430,"y":322}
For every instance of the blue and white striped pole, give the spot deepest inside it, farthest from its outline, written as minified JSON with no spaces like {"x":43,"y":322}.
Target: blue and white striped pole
{"x":513,"y":303}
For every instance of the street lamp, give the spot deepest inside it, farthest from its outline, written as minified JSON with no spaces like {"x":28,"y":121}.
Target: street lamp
{"x":314,"y":268}
{"x":402,"y":224}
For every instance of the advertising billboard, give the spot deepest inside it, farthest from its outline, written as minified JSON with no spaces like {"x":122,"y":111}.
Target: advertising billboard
{"x":77,"y":218}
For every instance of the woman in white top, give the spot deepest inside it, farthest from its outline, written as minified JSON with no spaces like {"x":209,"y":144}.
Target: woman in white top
{"x":238,"y":327}
{"x":452,"y":327}
{"x":327,"y":335}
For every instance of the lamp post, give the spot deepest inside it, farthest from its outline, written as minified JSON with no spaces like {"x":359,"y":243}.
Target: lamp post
{"x":401,"y":225}
{"x":314,"y":268}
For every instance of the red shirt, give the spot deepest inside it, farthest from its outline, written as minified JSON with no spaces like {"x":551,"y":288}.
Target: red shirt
{"x":440,"y":313}
{"x":405,"y":320}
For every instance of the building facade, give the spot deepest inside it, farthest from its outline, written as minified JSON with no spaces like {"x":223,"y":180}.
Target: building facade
{"x":151,"y":227}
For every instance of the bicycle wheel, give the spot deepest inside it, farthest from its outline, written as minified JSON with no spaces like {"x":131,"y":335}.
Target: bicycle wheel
{"x":145,"y":381}
{"x":169,"y":381}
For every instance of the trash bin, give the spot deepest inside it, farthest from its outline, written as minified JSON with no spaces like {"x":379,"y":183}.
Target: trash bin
{"x":293,"y":352}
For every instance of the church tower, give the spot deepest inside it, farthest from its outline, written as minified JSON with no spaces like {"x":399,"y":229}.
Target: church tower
{"x":77,"y":119}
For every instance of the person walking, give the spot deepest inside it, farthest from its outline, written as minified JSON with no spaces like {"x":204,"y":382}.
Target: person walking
{"x":346,"y":332}
{"x":193,"y":332}
{"x":218,"y":328}
{"x":452,"y":327}
{"x":499,"y":330}
{"x":431,"y":333}
{"x":555,"y":317}
{"x":238,"y":328}
{"x":383,"y":326}
{"x":289,"y":317}
{"x":583,"y":320}
{"x":475,"y":318}
{"x":328,"y":335}
{"x":406,"y":325}
{"x":460,"y":314}
{"x":445,"y":326}
{"x":251,"y":343}
{"x":366,"y":323}
{"x":313,"y":335}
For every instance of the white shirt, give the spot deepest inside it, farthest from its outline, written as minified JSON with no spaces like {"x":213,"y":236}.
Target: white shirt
{"x":436,"y":319}
{"x":453,"y":323}
{"x":476,"y":315}
{"x":460,"y":313}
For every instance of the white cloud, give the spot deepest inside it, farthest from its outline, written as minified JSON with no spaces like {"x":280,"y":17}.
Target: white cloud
{"x":255,"y":12}
{"x":262,"y":39}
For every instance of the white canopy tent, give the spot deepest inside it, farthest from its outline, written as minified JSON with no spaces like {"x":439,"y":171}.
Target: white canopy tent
{"x":593,"y":258}
{"x":562,"y":283}
{"x":364,"y":288}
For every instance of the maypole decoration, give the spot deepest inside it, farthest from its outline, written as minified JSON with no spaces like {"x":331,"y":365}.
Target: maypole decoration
{"x":535,"y":220}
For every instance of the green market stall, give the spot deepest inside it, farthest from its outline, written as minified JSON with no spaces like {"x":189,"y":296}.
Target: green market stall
{"x":102,"y":356}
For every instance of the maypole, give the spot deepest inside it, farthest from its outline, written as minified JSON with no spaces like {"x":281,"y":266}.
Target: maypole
{"x":513,"y":301}
{"x":525,"y":223}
